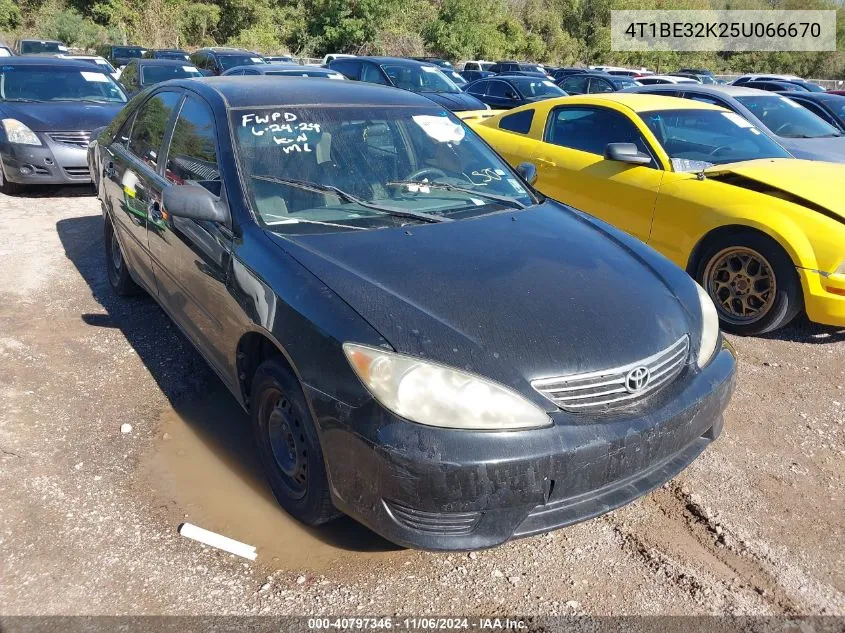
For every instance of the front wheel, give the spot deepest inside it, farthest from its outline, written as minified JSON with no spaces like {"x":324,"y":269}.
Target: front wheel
{"x":288,"y":445}
{"x":752,"y":282}
{"x":119,"y":278}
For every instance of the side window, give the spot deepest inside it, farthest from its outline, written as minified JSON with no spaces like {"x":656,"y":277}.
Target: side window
{"x":495,"y":68}
{"x":599,"y":85}
{"x":498,"y":89}
{"x":122,"y":137}
{"x":372,"y":74}
{"x":575,"y":84}
{"x":127,"y":77}
{"x":198,"y":60}
{"x":705,"y":99}
{"x":150,"y":124}
{"x":192,"y":156}
{"x":519,"y":122}
{"x":350,"y":69}
{"x":478,"y":88}
{"x":591,"y":129}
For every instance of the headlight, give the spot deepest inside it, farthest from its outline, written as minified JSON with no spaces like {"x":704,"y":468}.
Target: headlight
{"x":840,"y":270}
{"x":435,"y":395}
{"x":18,"y":133}
{"x":709,"y":327}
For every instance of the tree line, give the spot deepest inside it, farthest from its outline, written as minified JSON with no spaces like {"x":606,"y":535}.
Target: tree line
{"x":561,"y":32}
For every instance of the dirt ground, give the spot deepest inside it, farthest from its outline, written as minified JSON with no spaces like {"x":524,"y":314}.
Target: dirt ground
{"x":88,"y":515}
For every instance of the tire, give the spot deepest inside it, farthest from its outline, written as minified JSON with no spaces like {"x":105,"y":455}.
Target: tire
{"x":752,"y":281}
{"x":288,"y":445}
{"x":7,"y":186}
{"x":119,"y":278}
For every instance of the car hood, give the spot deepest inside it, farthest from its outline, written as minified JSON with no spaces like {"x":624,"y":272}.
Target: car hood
{"x":831,"y":148}
{"x":47,"y":117}
{"x":802,"y":181}
{"x":514,"y":296}
{"x":456,"y":102}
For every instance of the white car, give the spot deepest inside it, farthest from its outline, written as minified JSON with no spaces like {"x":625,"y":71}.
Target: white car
{"x":666,"y":79}
{"x":764,"y":77}
{"x":97,"y":60}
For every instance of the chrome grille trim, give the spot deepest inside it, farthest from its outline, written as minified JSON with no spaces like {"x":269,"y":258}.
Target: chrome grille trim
{"x":77,"y":139}
{"x":607,"y":388}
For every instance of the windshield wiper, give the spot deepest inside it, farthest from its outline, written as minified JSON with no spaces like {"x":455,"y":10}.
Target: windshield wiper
{"x":448,"y":187}
{"x":316,"y":187}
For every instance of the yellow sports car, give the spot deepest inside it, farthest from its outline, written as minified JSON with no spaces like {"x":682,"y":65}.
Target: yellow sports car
{"x":763,"y":232}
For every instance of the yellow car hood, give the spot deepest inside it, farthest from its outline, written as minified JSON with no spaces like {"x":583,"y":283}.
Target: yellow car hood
{"x":814,"y":184}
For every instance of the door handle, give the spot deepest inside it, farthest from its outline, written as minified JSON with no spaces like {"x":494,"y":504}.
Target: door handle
{"x":109,"y":170}
{"x":544,"y":161}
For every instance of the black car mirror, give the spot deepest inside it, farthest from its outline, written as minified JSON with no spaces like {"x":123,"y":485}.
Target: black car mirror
{"x":194,"y":202}
{"x":528,"y":171}
{"x":510,"y":94}
{"x":626,"y":153}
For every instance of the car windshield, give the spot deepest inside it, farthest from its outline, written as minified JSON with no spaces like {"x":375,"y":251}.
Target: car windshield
{"x":625,"y":82}
{"x":156,"y":74}
{"x":419,"y":78}
{"x":697,"y":139}
{"x":99,"y":61}
{"x":127,"y":52}
{"x":230,"y":61}
{"x":36,"y":47}
{"x":44,"y":83}
{"x":323,"y":168}
{"x":537,"y":88}
{"x":171,"y":55}
{"x":786,"y":118}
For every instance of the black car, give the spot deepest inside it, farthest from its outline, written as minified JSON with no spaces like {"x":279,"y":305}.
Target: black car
{"x":284,"y":70}
{"x":408,"y":74}
{"x":142,"y":73}
{"x":594,"y":82}
{"x":502,"y":92}
{"x":48,"y":109}
{"x":562,"y":73}
{"x":422,"y":341}
{"x":473,"y":70}
{"x":510,"y":66}
{"x":119,"y":55}
{"x":168,"y":53}
{"x":829,"y":107}
{"x":216,"y":61}
{"x":437,"y":61}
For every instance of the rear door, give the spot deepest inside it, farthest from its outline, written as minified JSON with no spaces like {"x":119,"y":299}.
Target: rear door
{"x":130,"y":179}
{"x":192,"y":258}
{"x":572,"y":167}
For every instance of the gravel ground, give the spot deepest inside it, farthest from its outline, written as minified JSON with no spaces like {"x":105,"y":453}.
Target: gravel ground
{"x":88,"y":514}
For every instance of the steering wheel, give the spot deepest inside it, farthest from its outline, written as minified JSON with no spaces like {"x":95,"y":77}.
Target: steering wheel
{"x":420,"y":173}
{"x":719,"y":149}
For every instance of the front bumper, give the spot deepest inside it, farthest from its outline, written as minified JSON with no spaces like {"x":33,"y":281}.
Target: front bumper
{"x":443,"y":489}
{"x":824,"y":297}
{"x":48,"y":164}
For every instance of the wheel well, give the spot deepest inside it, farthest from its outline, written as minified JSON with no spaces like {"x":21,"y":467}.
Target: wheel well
{"x":253,"y":349}
{"x":722,"y":232}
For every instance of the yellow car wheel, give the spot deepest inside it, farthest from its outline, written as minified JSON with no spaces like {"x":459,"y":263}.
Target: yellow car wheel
{"x":752,"y":282}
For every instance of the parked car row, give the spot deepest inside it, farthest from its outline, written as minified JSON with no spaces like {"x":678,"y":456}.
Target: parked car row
{"x":451,"y":344}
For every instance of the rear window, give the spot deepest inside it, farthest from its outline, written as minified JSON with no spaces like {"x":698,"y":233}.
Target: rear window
{"x":156,"y":74}
{"x":34,"y":47}
{"x":127,"y":51}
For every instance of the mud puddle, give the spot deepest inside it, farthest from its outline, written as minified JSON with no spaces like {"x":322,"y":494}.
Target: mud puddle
{"x":204,"y":469}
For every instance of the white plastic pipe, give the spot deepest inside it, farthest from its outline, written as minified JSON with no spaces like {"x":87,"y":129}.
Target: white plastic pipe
{"x":188,"y":530}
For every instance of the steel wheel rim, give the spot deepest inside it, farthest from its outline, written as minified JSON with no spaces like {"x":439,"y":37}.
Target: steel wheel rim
{"x":116,"y":257}
{"x":287,"y":442}
{"x":742,"y":284}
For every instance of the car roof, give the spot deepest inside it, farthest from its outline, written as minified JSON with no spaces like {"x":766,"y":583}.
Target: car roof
{"x":35,"y":39}
{"x":711,"y":89}
{"x":812,"y":96}
{"x":46,"y":60}
{"x":159,"y":62}
{"x":644,"y":102}
{"x":395,"y":60}
{"x":245,"y":91}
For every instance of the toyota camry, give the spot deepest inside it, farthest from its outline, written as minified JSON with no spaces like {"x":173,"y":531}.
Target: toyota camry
{"x":421,"y":340}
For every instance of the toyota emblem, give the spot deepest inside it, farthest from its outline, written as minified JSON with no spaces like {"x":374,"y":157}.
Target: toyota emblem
{"x":637,"y":379}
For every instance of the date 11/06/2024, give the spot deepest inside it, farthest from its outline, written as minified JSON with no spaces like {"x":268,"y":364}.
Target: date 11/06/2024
{"x":421,"y":623}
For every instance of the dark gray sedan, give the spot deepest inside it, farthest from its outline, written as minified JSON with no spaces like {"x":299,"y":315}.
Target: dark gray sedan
{"x":48,"y":108}
{"x":799,"y":131}
{"x":284,"y":70}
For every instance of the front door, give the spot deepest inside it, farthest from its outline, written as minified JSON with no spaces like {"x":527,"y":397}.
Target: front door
{"x":130,"y":166}
{"x":572,"y":167}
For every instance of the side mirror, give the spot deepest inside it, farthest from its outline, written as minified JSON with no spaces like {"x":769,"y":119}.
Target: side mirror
{"x":528,"y":171}
{"x":626,"y":153}
{"x":510,"y":94}
{"x":194,"y":202}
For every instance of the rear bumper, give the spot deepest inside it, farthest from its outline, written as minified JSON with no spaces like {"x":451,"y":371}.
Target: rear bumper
{"x":824,"y":297}
{"x":443,"y":489}
{"x":48,"y":164}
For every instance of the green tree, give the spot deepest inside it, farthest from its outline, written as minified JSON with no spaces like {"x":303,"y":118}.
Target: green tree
{"x":10,"y":16}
